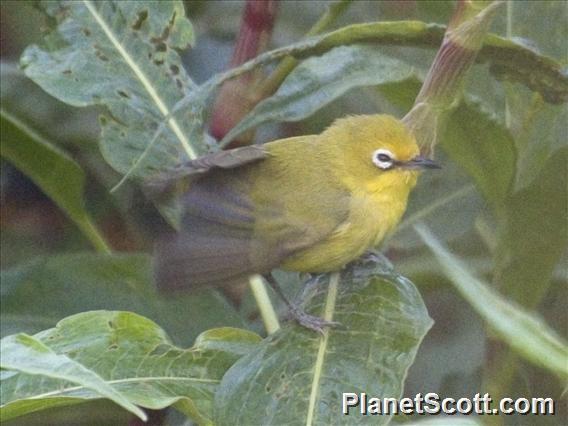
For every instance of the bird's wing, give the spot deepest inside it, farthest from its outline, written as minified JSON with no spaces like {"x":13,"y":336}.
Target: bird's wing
{"x":158,"y":185}
{"x":228,"y":159}
{"x":221,"y":242}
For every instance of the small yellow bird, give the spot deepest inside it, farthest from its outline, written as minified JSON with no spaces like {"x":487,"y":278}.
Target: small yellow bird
{"x":308,"y":203}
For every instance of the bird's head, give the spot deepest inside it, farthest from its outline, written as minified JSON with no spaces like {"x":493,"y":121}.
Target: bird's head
{"x":378,"y":152}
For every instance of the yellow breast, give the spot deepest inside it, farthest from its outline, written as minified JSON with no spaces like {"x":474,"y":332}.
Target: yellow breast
{"x":372,"y":217}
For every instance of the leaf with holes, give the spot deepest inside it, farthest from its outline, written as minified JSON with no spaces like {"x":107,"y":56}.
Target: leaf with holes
{"x":123,"y":55}
{"x":102,"y":354}
{"x":297,"y":376}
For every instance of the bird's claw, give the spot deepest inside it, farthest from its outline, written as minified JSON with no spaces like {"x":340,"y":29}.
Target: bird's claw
{"x":312,"y":322}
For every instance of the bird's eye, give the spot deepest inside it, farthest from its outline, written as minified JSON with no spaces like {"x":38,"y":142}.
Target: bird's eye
{"x":383,"y":159}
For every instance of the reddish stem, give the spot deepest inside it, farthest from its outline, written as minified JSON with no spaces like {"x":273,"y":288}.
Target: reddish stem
{"x":237,"y":97}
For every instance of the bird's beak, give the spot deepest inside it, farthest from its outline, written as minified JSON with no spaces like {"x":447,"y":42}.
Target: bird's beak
{"x":420,"y":162}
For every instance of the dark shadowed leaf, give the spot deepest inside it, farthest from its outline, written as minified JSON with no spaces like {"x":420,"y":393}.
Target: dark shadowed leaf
{"x":297,"y":376}
{"x":129,"y":354}
{"x":56,"y":121}
{"x":50,"y":168}
{"x":38,"y":294}
{"x":123,"y":55}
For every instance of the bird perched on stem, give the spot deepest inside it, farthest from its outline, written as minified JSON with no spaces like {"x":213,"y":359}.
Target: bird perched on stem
{"x":307,"y":203}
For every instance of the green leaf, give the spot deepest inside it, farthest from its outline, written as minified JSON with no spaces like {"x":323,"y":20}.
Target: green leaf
{"x":483,"y":147}
{"x":445,"y":200}
{"x":130,"y":354}
{"x":527,"y":334}
{"x":534,"y":233}
{"x":539,"y":128}
{"x":296,"y":376}
{"x":519,"y":60}
{"x":507,"y":58}
{"x":318,"y":81}
{"x":540,"y":28}
{"x":92,"y":413}
{"x":37,"y":294}
{"x":24,"y":99}
{"x":402,"y":93}
{"x":61,"y":178}
{"x":540,"y":136}
{"x":123,"y":55}
{"x":30,"y":356}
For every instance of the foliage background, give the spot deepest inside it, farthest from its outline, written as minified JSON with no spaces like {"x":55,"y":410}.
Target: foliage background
{"x":459,"y":356}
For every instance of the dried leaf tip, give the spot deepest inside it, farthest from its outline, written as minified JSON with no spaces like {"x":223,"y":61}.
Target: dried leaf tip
{"x":470,"y":22}
{"x":443,"y":84}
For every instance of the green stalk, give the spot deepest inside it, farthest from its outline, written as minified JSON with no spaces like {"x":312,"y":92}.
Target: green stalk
{"x":509,"y":35}
{"x":269,"y":317}
{"x":444,"y":82}
{"x":285,"y":67}
{"x":93,"y":235}
{"x":329,"y":310}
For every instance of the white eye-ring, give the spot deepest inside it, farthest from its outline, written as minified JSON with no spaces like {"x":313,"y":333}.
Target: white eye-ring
{"x":383,"y":159}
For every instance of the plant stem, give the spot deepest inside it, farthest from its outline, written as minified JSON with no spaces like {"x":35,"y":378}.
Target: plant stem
{"x":329,"y":310}
{"x":285,"y":67}
{"x":237,"y":97}
{"x":442,"y":87}
{"x":94,"y":236}
{"x":509,"y":35}
{"x":487,"y":234}
{"x":506,"y":59}
{"x":264,"y":304}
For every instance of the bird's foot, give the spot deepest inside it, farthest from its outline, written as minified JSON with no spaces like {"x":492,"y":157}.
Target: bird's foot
{"x":374,"y":255}
{"x":310,"y":286}
{"x":310,"y":321}
{"x":378,"y":261}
